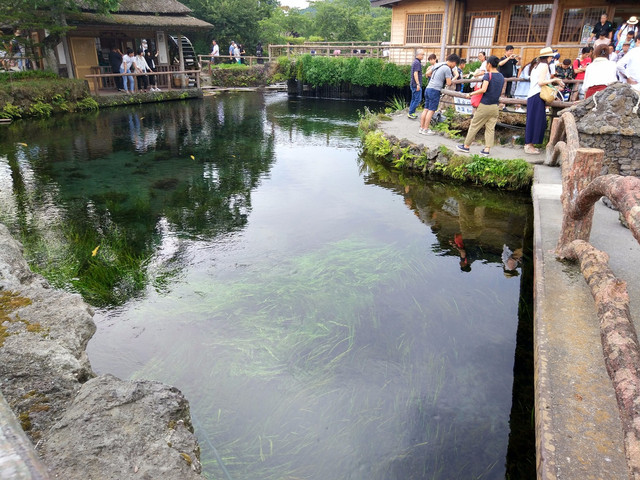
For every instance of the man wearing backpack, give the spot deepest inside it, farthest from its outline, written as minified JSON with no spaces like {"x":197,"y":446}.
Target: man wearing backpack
{"x":441,"y":75}
{"x":416,"y":84}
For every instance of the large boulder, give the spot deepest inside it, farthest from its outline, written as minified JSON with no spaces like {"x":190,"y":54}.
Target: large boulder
{"x":43,"y":336}
{"x":609,"y":120}
{"x":117,"y":429}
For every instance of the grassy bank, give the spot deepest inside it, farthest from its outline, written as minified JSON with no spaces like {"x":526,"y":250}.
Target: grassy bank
{"x":42,"y":94}
{"x":508,"y":174}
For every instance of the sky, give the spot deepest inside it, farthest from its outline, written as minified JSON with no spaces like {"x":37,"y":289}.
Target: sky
{"x":295,"y":3}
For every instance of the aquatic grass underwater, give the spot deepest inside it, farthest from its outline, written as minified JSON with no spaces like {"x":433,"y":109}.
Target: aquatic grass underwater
{"x":306,"y":338}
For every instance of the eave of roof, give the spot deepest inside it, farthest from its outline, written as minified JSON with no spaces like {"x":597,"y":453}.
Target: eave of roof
{"x":384,"y":3}
{"x":129,"y":20}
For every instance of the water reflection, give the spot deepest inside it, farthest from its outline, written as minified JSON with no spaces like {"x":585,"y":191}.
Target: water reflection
{"x":119,"y":178}
{"x":310,"y":305}
{"x":469,"y":223}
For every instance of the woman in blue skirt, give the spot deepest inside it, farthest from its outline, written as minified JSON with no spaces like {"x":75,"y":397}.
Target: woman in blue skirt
{"x":536,"y":108}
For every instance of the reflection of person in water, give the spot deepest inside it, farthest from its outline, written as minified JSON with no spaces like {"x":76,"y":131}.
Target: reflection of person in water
{"x":465,"y":261}
{"x":510,"y":261}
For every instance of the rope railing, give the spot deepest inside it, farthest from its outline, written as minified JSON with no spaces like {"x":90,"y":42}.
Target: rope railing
{"x":582,"y":187}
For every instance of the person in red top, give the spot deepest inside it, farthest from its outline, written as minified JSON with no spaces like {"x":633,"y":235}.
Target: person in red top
{"x":579,"y":67}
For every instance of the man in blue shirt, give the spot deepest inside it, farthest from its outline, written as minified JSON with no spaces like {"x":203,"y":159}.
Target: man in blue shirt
{"x":416,"y":83}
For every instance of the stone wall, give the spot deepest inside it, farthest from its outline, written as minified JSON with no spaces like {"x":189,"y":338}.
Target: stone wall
{"x":84,"y":426}
{"x":607,"y":121}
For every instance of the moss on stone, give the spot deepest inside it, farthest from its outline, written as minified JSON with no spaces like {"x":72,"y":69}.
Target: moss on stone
{"x":10,"y":302}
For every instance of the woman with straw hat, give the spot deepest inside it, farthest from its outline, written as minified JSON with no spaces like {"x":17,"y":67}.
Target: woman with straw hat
{"x":620,"y":35}
{"x":536,"y":108}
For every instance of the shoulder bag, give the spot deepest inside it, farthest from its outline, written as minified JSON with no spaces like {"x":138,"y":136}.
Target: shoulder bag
{"x":548,"y":93}
{"x":475,"y":99}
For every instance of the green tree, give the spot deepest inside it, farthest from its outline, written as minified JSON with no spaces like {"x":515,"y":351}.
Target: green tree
{"x":237,"y":20}
{"x":49,"y":15}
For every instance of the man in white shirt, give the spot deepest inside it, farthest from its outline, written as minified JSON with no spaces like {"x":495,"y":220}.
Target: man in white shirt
{"x":629,"y":66}
{"x":215,"y":53}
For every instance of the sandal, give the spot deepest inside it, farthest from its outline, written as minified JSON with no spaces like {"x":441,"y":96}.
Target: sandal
{"x":531,"y":151}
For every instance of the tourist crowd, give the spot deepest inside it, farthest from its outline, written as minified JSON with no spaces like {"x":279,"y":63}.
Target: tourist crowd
{"x":612,"y":56}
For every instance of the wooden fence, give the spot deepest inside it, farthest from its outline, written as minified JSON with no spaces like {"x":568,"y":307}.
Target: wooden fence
{"x":163,"y":79}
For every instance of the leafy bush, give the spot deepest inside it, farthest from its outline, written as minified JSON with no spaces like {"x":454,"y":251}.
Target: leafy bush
{"x":376,"y":144}
{"x":11,"y":111}
{"x":241,"y":75}
{"x":9,"y":77}
{"x":87,"y":103}
{"x":513,"y":174}
{"x":319,"y":71}
{"x":40,"y":109}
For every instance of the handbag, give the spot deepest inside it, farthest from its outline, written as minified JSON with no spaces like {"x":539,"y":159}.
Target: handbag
{"x":548,"y":93}
{"x":475,"y":99}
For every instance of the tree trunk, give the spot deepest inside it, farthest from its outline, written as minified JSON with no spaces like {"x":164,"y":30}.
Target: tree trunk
{"x":576,"y":175}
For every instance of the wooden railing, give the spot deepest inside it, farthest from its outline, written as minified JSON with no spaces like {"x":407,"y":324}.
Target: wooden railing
{"x":582,"y":187}
{"x":447,"y":92}
{"x":163,"y":78}
{"x":405,"y":54}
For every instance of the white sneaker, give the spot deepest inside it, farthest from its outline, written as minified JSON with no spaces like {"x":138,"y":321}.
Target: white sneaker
{"x":422,"y":131}
{"x":429,"y":132}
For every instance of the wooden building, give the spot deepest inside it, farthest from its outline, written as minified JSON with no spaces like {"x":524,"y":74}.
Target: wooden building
{"x":156,"y":24}
{"x":468,"y":27}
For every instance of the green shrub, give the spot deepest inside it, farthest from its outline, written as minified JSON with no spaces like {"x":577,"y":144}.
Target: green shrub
{"x":9,"y":77}
{"x":11,"y":111}
{"x":40,"y":109}
{"x":88,"y":104}
{"x":377,"y":145}
{"x":512,"y":174}
{"x":241,"y":76}
{"x":319,"y":71}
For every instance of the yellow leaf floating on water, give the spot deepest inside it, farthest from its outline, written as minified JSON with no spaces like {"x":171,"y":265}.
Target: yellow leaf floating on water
{"x":94,"y":252}
{"x":23,"y":144}
{"x":192,"y":157}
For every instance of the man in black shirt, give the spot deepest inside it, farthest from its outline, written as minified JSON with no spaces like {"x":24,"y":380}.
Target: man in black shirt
{"x":603,"y":27}
{"x":507,"y":67}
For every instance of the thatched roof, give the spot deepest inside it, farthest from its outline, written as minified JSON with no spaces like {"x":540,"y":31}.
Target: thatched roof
{"x":127,"y":20}
{"x":162,"y":7}
{"x":153,"y":6}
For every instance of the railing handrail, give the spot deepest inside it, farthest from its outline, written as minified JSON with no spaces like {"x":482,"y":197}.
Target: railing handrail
{"x":138,"y":74}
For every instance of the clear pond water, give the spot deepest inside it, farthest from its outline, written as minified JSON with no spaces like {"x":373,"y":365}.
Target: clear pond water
{"x":326,"y":317}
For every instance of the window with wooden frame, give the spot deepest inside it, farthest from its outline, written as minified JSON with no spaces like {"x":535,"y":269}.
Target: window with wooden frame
{"x":424,"y":28}
{"x":573,"y":19}
{"x":468,"y":20}
{"x":529,"y":23}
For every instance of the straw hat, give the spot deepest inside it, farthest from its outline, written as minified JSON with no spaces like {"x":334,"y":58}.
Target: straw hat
{"x":632,"y":21}
{"x":546,"y":52}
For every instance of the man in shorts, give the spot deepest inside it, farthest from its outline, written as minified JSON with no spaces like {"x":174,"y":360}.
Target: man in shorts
{"x":441,"y":75}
